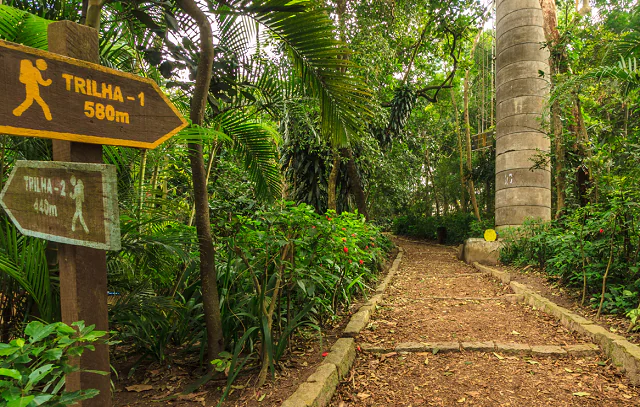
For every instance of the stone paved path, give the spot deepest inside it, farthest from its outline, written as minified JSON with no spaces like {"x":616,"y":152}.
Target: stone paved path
{"x":447,"y":335}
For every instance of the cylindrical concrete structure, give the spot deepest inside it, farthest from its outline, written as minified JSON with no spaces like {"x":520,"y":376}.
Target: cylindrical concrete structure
{"x":521,"y":98}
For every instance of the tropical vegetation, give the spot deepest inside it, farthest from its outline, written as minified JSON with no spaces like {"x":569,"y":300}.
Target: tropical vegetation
{"x":315,"y":126}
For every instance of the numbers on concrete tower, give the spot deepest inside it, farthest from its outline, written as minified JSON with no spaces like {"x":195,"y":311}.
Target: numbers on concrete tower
{"x":508,"y":179}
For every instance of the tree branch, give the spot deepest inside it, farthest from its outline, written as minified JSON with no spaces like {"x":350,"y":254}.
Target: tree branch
{"x":446,"y":83}
{"x":415,"y":52}
{"x":207,"y":55}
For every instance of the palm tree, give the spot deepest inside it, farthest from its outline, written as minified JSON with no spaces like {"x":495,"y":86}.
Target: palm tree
{"x":309,"y":37}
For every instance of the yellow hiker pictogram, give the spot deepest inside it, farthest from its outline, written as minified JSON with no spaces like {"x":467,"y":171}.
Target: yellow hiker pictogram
{"x":32,"y":78}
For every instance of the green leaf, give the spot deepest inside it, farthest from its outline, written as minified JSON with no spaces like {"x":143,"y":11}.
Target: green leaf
{"x":33,"y":327}
{"x":6,"y":350}
{"x":72,"y":397}
{"x":12,"y":373}
{"x":64,"y":329}
{"x":40,"y":399}
{"x":37,"y":331}
{"x":52,"y":354}
{"x":21,"y":402}
{"x":37,"y":375}
{"x":23,"y":28}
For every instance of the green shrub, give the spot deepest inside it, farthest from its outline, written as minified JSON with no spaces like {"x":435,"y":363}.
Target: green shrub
{"x":580,"y":248}
{"x":33,"y":369}
{"x":459,"y":227}
{"x":287,"y":266}
{"x":278,"y":268}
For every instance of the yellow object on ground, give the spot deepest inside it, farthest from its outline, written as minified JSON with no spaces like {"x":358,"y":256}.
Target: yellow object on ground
{"x":490,"y":235}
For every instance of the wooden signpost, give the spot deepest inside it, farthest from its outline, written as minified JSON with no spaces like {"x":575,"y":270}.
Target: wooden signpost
{"x":71,"y":203}
{"x":49,"y":95}
{"x":75,"y":102}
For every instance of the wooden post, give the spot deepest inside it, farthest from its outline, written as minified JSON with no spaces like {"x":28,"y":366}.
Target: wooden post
{"x":83,"y":271}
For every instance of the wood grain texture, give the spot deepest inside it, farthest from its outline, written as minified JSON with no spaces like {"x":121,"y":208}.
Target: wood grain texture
{"x":53,"y":96}
{"x":73,"y":203}
{"x":83,"y":270}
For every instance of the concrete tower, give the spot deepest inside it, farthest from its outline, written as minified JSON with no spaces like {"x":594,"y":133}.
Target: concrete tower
{"x":521,"y":96}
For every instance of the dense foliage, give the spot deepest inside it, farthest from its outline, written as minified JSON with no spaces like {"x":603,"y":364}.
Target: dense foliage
{"x":452,"y":229}
{"x":34,"y":369}
{"x":584,"y":248}
{"x":283,"y":264}
{"x":318,"y":120}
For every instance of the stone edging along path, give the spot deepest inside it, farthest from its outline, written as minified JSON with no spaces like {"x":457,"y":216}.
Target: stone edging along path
{"x":319,"y":388}
{"x":623,"y":354}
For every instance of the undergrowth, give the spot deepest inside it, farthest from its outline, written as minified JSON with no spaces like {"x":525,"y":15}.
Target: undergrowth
{"x":594,"y":249}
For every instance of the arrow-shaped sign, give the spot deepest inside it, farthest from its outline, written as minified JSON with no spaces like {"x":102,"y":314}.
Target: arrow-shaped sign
{"x":48,"y":95}
{"x":73,"y":203}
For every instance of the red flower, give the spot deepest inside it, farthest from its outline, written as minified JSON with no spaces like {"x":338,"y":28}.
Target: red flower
{"x":361,"y":262}
{"x":329,"y":219}
{"x":344,"y":239}
{"x":366,"y":247}
{"x":353,"y":235}
{"x":601,"y":231}
{"x":346,"y":249}
{"x":373,"y":245}
{"x":313,"y":227}
{"x":324,"y":354}
{"x":350,"y":261}
{"x":344,"y":228}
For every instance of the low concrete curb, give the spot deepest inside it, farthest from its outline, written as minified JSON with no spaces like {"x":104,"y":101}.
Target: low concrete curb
{"x":623,"y":354}
{"x":319,"y":388}
{"x":487,"y":346}
{"x":360,"y":319}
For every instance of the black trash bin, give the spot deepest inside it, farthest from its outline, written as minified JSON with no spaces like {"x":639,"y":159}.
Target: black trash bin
{"x":442,"y":235}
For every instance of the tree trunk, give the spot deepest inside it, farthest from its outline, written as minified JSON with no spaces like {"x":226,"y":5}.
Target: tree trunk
{"x":556,"y":125}
{"x":472,"y":189}
{"x":463,"y":198}
{"x":94,"y":9}
{"x":212,"y":157}
{"x":584,"y":172}
{"x":210,"y":299}
{"x":557,"y":64}
{"x":332,"y":201}
{"x":355,"y":183}
{"x":487,"y":194}
{"x":445,"y":202}
{"x":143,"y":169}
{"x":433,"y":181}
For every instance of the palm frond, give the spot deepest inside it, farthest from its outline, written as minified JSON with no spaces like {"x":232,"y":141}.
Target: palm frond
{"x":54,"y":10}
{"x":23,"y":259}
{"x":255,"y":142}
{"x":319,"y":58}
{"x":23,"y":27}
{"x":626,"y":73}
{"x":198,"y":134}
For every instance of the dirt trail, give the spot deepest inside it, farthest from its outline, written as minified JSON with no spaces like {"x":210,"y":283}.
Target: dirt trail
{"x":471,"y":344}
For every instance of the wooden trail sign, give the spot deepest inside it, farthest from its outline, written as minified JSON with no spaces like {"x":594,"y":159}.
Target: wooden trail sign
{"x":52,"y":96}
{"x":74,"y":203}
